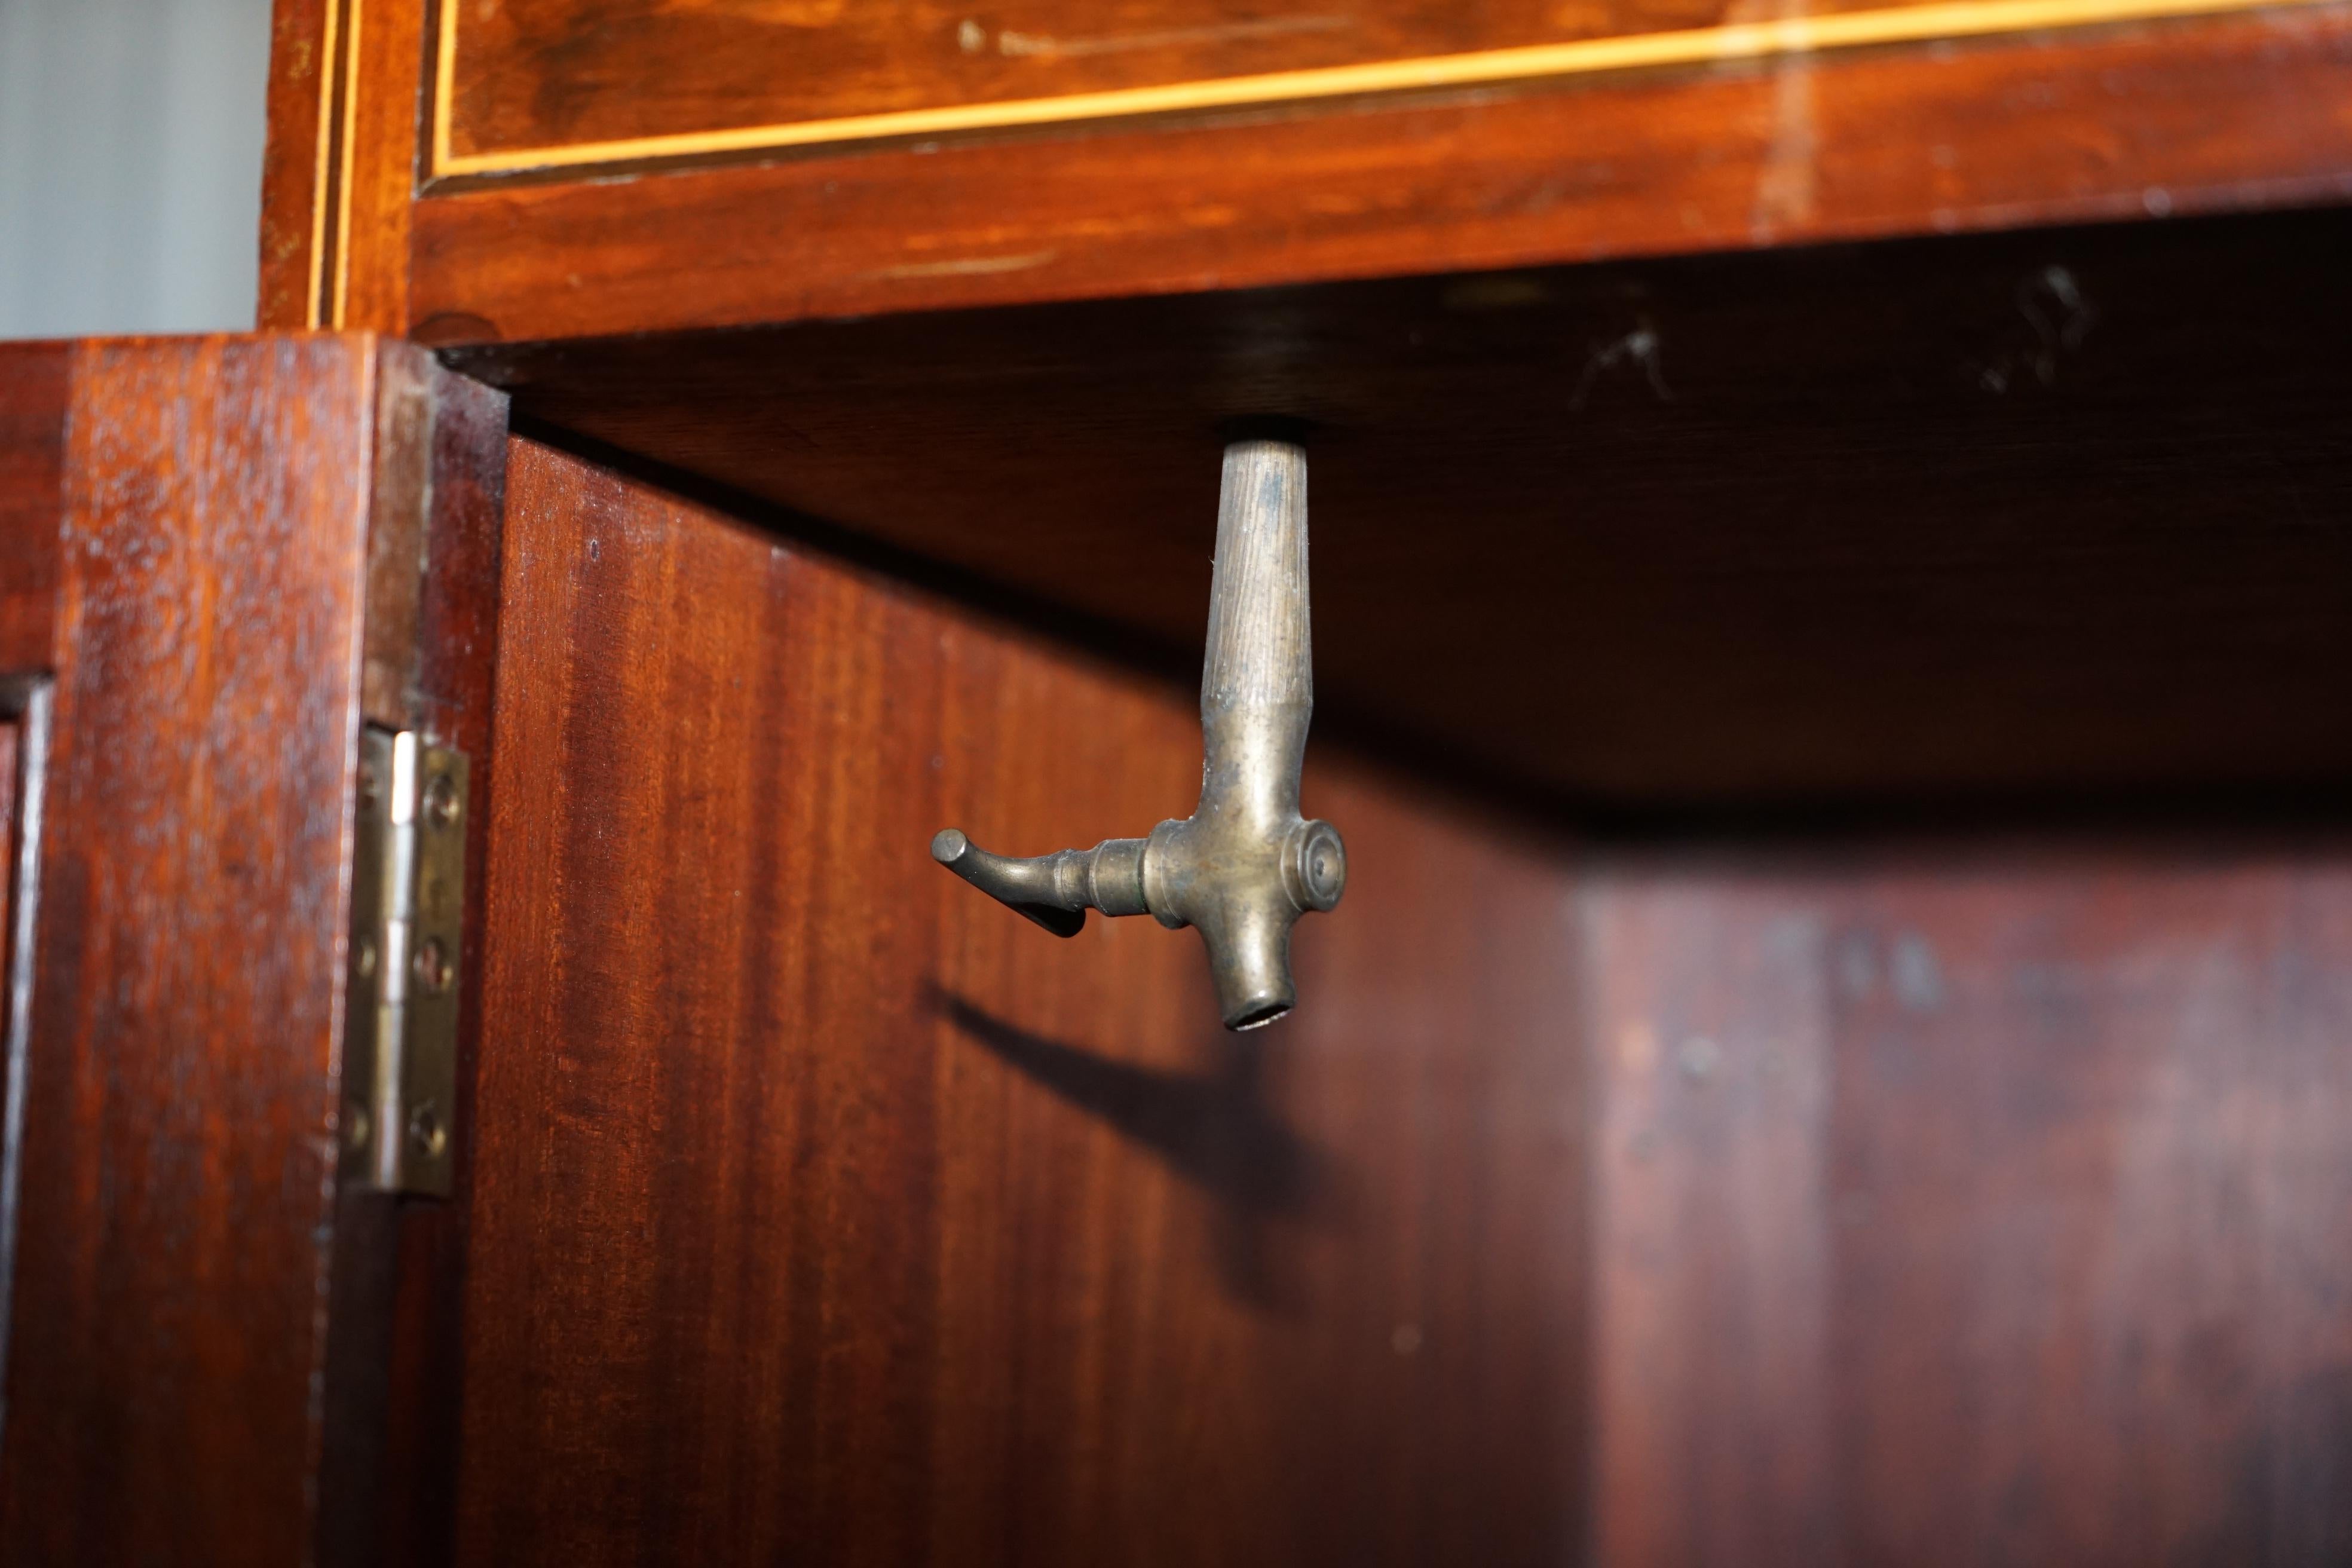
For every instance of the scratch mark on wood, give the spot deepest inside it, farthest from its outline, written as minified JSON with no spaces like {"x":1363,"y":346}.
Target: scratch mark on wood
{"x":977,"y":266}
{"x":1638,"y":347}
{"x":1785,"y":184}
{"x":1785,"y":187}
{"x":1039,"y":46}
{"x":2053,"y":304}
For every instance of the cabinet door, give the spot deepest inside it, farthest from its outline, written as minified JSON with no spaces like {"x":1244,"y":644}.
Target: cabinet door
{"x":209,"y":578}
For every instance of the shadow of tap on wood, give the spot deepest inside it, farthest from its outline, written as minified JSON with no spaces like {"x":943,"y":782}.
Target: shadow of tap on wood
{"x":1214,"y":1129}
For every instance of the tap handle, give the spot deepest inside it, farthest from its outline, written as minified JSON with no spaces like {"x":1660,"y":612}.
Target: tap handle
{"x":1054,"y":890}
{"x":1259,"y":649}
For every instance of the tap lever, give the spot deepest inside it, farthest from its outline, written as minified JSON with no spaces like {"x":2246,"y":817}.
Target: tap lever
{"x":1054,"y":890}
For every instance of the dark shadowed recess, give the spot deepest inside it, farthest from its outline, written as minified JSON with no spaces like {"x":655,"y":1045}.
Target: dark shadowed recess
{"x":2045,"y":517}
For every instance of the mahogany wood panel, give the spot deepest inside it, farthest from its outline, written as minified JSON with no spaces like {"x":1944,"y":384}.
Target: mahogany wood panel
{"x":823,"y":1210}
{"x":2038,"y":514}
{"x":178,"y":1147}
{"x":549,"y":74}
{"x":368,"y":283}
{"x":1973,"y":1201}
{"x":1952,"y":1199}
{"x":201,"y":1353}
{"x":2180,"y":117}
{"x":33,"y":405}
{"x":367,"y":223}
{"x":344,"y":155}
{"x":296,"y":164}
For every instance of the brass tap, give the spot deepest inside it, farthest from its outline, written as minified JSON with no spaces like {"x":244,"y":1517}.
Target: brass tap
{"x":1246,"y":865}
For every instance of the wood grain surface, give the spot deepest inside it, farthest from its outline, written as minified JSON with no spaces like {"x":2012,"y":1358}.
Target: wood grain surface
{"x":2041,"y":515}
{"x":297,"y":158}
{"x":543,"y":76}
{"x":824,"y":1209}
{"x":1973,"y":1201}
{"x":344,"y":154}
{"x":178,"y":1151}
{"x":34,"y":379}
{"x":1799,"y":145}
{"x":1948,"y":1197}
{"x":381,"y":156}
{"x":214,"y":1357}
{"x":2182,"y":117}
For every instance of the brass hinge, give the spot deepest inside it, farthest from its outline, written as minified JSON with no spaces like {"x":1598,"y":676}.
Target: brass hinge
{"x":408,"y":892}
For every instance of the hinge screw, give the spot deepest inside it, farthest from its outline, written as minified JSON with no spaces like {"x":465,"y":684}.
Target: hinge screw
{"x":427,"y":1135}
{"x":441,"y":803}
{"x":433,"y":966}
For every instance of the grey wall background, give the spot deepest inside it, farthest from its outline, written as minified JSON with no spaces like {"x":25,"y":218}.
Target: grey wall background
{"x":130,"y":137}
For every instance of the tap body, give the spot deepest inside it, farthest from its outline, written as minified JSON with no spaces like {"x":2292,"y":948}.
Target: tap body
{"x":1246,"y":864}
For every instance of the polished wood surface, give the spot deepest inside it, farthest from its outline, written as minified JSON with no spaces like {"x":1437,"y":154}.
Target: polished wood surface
{"x":201,"y":1355}
{"x":537,"y":79}
{"x":2019,"y":516}
{"x":299,"y":164}
{"x":343,"y":159}
{"x":293,"y":168}
{"x":822,"y":1208}
{"x":374,"y":218}
{"x":1973,"y":1201}
{"x":34,"y":397}
{"x":179,"y":1119}
{"x":2178,"y":117}
{"x":1931,"y":1199}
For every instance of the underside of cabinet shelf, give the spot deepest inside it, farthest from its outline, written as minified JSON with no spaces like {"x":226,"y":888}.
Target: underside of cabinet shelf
{"x":2055,"y":515}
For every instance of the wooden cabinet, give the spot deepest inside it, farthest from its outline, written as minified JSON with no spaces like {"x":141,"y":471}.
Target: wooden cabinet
{"x":550,"y":170}
{"x":1835,"y":1048}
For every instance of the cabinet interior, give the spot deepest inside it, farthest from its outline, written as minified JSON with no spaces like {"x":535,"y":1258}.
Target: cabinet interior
{"x":2036,"y":518}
